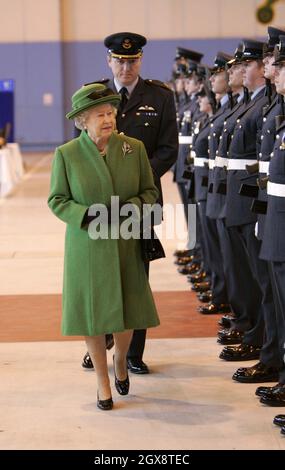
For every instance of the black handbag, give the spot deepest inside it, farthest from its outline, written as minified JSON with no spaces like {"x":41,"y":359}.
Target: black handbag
{"x":151,"y":248}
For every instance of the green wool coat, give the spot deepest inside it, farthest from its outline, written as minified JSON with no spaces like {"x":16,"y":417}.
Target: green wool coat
{"x":105,"y":287}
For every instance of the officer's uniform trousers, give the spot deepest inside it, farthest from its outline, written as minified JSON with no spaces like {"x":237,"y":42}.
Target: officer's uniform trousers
{"x":273,"y":241}
{"x":252,"y":283}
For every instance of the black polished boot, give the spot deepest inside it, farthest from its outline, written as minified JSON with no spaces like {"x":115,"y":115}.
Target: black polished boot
{"x":213,"y":308}
{"x":137,"y":366}
{"x":258,"y":373}
{"x":243,"y":352}
{"x":279,"y":420}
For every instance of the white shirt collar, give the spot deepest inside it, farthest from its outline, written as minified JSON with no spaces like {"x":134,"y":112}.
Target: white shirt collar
{"x":130,"y":88}
{"x":256,"y":92}
{"x":224,"y":100}
{"x":240,"y":97}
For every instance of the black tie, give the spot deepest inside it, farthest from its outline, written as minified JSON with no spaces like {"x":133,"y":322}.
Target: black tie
{"x":124,"y":100}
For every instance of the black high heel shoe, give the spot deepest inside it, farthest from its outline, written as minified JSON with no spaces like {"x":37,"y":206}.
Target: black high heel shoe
{"x":104,"y":404}
{"x":122,"y":386}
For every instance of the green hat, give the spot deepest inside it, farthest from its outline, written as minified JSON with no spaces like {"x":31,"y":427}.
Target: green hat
{"x":92,"y":95}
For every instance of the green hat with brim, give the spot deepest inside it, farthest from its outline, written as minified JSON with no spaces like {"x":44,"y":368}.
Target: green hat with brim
{"x":92,"y":95}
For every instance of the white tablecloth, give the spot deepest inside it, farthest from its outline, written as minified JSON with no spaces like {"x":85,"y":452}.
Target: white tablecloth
{"x":11,"y":168}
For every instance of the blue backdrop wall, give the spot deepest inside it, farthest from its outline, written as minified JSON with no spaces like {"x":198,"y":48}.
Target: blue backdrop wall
{"x":59,"y":68}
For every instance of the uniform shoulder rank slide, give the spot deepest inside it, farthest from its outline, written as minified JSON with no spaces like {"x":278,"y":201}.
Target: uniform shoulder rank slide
{"x":103,"y":81}
{"x":158,"y":83}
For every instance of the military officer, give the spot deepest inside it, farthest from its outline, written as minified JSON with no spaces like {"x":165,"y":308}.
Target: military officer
{"x":236,"y":72}
{"x":191,"y":86}
{"x":186,"y":61}
{"x":273,"y":242}
{"x":200,"y":153}
{"x":183,"y":171}
{"x":147,"y":113}
{"x":238,"y":270}
{"x":252,"y":283}
{"x":219,"y":83}
{"x":274,"y":108}
{"x":269,"y":353}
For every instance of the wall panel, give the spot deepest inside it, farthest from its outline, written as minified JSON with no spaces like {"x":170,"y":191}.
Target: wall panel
{"x":54,"y":46}
{"x":29,"y":20}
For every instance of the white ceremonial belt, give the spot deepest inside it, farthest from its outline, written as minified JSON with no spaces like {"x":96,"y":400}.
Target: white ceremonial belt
{"x":275,"y":189}
{"x":236,"y":164}
{"x":211,"y":164}
{"x":185,"y":139}
{"x":200,"y":161}
{"x":221,"y":162}
{"x":264,"y":167}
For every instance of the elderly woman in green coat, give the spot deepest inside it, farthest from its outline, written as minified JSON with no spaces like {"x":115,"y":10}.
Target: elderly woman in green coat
{"x":105,"y":288}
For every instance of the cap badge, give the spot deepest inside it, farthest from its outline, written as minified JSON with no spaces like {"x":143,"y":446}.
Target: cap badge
{"x":127,"y":44}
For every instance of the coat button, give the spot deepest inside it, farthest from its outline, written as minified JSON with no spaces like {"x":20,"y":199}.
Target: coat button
{"x":261,"y":138}
{"x":238,"y":120}
{"x":146,"y":124}
{"x":277,"y":136}
{"x":260,"y":154}
{"x":268,"y":131}
{"x":264,"y":119}
{"x":123,"y":115}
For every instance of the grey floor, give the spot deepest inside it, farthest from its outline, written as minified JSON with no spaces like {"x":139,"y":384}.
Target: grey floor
{"x":47,"y":401}
{"x":188,"y":401}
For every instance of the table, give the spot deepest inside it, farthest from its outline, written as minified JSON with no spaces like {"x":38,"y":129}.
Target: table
{"x":11,"y":168}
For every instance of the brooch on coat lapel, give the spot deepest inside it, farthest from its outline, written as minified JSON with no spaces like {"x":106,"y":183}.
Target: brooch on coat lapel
{"x":126,"y":148}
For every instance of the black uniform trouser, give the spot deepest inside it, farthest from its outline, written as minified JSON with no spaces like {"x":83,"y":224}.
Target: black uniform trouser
{"x":250,"y":282}
{"x":267,"y":309}
{"x":243,"y":290}
{"x":278,"y":283}
{"x":213,"y":248}
{"x":274,"y":326}
{"x":137,"y":345}
{"x":201,"y":205}
{"x":183,"y":192}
